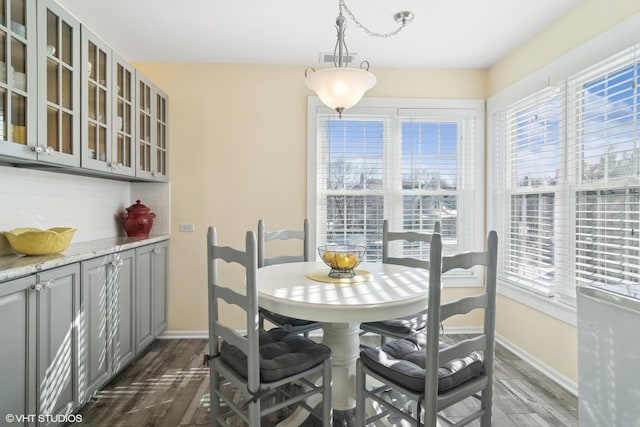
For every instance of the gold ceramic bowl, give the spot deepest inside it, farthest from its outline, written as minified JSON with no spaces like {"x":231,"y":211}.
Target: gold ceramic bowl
{"x":33,"y":241}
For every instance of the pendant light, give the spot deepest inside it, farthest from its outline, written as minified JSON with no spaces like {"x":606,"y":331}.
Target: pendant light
{"x":342,"y":87}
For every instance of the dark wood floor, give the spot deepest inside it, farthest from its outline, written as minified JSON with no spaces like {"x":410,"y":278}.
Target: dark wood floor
{"x":169,"y":386}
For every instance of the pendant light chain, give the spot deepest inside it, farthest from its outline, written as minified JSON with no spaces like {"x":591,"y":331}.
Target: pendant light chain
{"x":367,"y":30}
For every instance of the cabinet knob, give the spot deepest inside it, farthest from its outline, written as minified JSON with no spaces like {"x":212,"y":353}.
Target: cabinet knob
{"x":41,"y":286}
{"x":157,"y":251}
{"x":48,"y":150}
{"x":117,"y":263}
{"x":119,"y":165}
{"x":38,"y":149}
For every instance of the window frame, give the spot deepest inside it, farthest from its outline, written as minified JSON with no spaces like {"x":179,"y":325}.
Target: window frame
{"x":398,"y":108}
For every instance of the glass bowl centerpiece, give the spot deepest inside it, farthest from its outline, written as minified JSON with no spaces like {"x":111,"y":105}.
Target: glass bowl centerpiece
{"x":342,"y":259}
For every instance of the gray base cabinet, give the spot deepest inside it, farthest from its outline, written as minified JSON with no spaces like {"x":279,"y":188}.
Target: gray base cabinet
{"x":17,"y":353}
{"x":39,"y":357}
{"x":151,"y":293}
{"x":57,"y":308}
{"x":106,"y":320}
{"x":122,"y":342}
{"x":67,"y":331}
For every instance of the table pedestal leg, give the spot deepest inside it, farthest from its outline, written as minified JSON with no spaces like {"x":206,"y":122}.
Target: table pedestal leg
{"x":344,"y":341}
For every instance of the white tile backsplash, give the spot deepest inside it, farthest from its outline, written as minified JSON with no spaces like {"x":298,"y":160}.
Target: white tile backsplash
{"x":41,"y":199}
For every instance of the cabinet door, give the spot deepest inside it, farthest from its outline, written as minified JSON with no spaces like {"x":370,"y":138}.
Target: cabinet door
{"x":124,"y":114}
{"x":144,"y":297}
{"x":122,"y":310}
{"x":58,"y":85}
{"x":145,"y":130}
{"x":58,"y":308}
{"x":18,"y":349}
{"x":93,"y":327}
{"x":96,"y":100}
{"x":18,"y":77}
{"x":161,"y":168}
{"x":160,"y":257}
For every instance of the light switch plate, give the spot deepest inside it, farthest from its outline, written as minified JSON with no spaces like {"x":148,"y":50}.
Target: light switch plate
{"x":186,"y":228}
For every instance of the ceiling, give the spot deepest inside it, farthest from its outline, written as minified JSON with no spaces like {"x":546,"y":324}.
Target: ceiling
{"x":444,"y":34}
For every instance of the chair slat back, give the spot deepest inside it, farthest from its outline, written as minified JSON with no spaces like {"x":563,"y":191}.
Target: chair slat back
{"x":438,"y":312}
{"x":268,"y":236}
{"x":406,"y":236}
{"x":247,"y":302}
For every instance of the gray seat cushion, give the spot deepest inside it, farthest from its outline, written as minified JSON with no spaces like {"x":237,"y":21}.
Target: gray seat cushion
{"x":285,"y":320}
{"x":403,"y":362}
{"x":403,"y":325}
{"x":282,"y":354}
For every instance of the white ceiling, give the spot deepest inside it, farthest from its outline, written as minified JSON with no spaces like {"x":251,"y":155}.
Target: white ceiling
{"x":444,"y":33}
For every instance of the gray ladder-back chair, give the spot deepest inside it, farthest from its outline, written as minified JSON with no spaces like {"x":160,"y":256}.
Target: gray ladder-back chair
{"x":406,"y":326}
{"x":438,"y":375}
{"x":297,"y":326}
{"x":261,"y":366}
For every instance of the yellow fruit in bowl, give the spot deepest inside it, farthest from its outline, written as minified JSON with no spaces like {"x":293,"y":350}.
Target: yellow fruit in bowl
{"x":352,"y":260}
{"x":330,"y":258}
{"x":341,"y":260}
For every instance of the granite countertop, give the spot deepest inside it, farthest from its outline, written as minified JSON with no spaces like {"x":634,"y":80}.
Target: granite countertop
{"x":15,"y":265}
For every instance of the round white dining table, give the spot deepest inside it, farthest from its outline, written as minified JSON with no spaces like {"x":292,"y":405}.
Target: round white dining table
{"x":382,"y":291}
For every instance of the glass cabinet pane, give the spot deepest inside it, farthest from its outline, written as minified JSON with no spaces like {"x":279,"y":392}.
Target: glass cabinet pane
{"x":3,"y":115}
{"x":66,"y":53}
{"x":67,"y":88}
{"x":102,"y":67}
{"x":3,"y":57}
{"x":18,"y":119}
{"x":67,"y":135}
{"x":52,"y":31}
{"x":3,"y":9}
{"x":18,"y":16}
{"x":102,"y":105}
{"x":91,"y":140}
{"x":52,"y":81}
{"x":19,"y":64}
{"x":92,"y":92}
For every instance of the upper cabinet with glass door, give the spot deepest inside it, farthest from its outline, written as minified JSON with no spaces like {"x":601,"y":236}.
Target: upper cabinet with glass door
{"x":151,"y":131}
{"x":18,"y":77}
{"x":58,"y":85}
{"x":123,"y":113}
{"x":96,"y":84}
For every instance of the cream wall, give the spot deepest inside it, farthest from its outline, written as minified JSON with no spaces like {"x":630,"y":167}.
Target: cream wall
{"x":522,"y":326}
{"x":238,"y":153}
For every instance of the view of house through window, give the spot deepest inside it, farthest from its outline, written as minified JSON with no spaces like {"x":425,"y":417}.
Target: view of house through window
{"x":412,"y":166}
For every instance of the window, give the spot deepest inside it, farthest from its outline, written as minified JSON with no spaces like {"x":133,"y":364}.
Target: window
{"x":566,"y":185}
{"x":413,"y":162}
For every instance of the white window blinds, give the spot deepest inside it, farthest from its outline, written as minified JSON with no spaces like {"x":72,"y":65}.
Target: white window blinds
{"x":567,"y":180}
{"x":352,"y":179}
{"x":412,"y":166}
{"x":529,"y":179}
{"x":606,"y":142}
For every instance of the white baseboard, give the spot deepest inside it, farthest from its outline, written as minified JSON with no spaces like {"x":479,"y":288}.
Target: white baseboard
{"x":184,"y":335}
{"x":562,"y":380}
